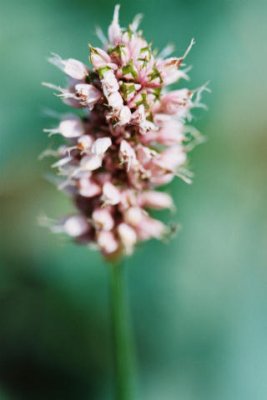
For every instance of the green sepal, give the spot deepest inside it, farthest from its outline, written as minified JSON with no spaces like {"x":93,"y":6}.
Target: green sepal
{"x":102,"y":71}
{"x":130,"y":69}
{"x":127,"y":89}
{"x":155,"y":74}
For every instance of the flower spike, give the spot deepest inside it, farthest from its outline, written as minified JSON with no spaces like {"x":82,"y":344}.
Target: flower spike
{"x":131,"y":136}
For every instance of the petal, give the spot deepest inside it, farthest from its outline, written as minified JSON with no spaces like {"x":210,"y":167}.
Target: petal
{"x":73,"y":68}
{"x":109,"y":82}
{"x":177,"y":102}
{"x":124,"y":116}
{"x":171,"y":158}
{"x":92,"y":162}
{"x":101,"y":145}
{"x":115,"y":101}
{"x":127,"y":154}
{"x":169,"y":70}
{"x":136,"y":22}
{"x":114,"y":30}
{"x":85,"y":142}
{"x":99,"y":58}
{"x":62,"y":162}
{"x":71,"y":127}
{"x":139,"y":118}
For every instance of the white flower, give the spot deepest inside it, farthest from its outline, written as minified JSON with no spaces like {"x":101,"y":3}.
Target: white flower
{"x":70,"y":126}
{"x":74,"y":68}
{"x":88,"y":94}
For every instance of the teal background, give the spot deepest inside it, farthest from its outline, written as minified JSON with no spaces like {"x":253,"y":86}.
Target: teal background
{"x":199,"y":304}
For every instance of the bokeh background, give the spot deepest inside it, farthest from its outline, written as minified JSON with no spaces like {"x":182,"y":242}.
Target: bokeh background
{"x":199,"y":304}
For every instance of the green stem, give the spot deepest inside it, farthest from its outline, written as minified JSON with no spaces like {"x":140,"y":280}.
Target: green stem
{"x":123,"y":349}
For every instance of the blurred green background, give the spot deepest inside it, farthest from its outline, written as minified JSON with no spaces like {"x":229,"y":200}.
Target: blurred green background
{"x":199,"y":304}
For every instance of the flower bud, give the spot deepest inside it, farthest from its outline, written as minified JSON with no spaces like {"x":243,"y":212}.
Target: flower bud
{"x":102,"y":219}
{"x":128,"y":237}
{"x":76,"y":226}
{"x":157,"y":200}
{"x":88,"y":188}
{"x":100,"y":59}
{"x":107,"y":242}
{"x":111,"y":194}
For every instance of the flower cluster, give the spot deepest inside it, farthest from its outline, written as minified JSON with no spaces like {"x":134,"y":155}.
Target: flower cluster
{"x":130,"y":138}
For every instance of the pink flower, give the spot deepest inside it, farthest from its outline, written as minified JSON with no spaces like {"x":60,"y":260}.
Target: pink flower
{"x":177,"y":102}
{"x":169,"y":70}
{"x":131,"y":136}
{"x":170,"y":132}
